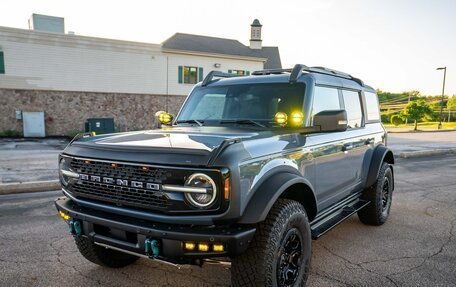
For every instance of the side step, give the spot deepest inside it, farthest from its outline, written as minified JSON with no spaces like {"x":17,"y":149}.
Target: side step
{"x":328,"y":220}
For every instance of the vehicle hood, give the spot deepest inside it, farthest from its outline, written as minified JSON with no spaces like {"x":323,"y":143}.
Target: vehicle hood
{"x":174,"y":145}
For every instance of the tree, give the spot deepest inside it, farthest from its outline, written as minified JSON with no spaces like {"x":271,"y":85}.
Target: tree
{"x":451,"y":104}
{"x":416,"y":110}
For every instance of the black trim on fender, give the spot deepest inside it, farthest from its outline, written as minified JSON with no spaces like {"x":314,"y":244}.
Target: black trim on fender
{"x":267,"y":194}
{"x":380,"y":152}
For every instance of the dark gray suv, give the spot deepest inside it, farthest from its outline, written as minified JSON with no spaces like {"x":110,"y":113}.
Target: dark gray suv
{"x":250,"y":171}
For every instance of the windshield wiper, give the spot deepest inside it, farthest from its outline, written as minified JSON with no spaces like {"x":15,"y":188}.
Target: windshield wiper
{"x":190,"y":122}
{"x":242,"y":121}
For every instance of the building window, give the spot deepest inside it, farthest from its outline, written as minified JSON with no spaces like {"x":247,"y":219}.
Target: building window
{"x":190,"y":75}
{"x":2,"y":63}
{"x":239,"y":72}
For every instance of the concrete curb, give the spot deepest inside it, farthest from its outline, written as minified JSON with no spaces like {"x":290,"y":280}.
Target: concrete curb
{"x":424,"y":153}
{"x":7,"y":188}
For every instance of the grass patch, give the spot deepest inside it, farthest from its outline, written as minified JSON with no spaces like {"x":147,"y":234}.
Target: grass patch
{"x":424,"y":126}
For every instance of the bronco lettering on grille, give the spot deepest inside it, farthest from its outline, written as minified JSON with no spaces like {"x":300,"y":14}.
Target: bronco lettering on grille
{"x":120,"y":182}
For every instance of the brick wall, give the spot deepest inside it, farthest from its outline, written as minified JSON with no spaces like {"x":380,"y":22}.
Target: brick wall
{"x":66,"y":112}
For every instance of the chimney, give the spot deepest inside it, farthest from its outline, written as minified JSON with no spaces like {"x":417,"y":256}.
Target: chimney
{"x":255,"y":35}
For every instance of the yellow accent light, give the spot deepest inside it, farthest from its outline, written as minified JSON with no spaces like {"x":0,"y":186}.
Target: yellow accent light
{"x":93,"y":134}
{"x":64,"y":215}
{"x":281,"y":118}
{"x":218,"y":247}
{"x":297,"y":118}
{"x":165,"y":118}
{"x":204,"y":247}
{"x":189,"y":246}
{"x":226,"y":189}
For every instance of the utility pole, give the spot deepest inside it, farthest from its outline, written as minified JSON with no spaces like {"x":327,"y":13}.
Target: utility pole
{"x":443,"y":93}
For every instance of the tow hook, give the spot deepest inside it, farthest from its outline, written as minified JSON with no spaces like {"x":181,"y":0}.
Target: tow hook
{"x":75,"y":227}
{"x":152,"y":248}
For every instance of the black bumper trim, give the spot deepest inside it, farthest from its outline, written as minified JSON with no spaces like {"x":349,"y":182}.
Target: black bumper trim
{"x":236,"y":239}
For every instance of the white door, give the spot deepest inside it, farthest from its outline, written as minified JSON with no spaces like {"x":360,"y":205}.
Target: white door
{"x":33,"y":124}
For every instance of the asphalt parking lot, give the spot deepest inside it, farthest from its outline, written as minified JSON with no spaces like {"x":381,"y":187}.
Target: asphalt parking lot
{"x":416,"y":247}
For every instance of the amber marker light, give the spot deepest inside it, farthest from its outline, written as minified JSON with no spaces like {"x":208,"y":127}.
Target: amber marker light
{"x":144,"y":168}
{"x":63,"y":215}
{"x":165,"y":118}
{"x":218,"y":248}
{"x":296,"y":118}
{"x":281,"y":118}
{"x":87,"y":161}
{"x":204,"y":247}
{"x":226,"y":189}
{"x":114,"y":165}
{"x":189,"y":246}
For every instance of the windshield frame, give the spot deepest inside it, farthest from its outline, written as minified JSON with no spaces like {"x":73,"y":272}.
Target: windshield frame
{"x":268,"y":123}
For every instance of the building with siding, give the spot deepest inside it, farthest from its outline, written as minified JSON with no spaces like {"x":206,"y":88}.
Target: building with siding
{"x":72,"y":78}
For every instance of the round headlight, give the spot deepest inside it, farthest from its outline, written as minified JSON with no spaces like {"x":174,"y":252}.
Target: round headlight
{"x":198,"y":199}
{"x":63,"y":166}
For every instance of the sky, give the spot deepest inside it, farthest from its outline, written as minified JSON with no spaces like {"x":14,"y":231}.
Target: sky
{"x":392,"y":45}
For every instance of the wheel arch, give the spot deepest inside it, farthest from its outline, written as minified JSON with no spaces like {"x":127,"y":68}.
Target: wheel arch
{"x":281,"y":185}
{"x":381,"y":154}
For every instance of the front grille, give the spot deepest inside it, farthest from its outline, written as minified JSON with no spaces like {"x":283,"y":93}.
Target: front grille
{"x":116,"y":194}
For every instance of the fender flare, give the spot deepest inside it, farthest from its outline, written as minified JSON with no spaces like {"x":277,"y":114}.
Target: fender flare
{"x":269,"y":192}
{"x":381,"y":154}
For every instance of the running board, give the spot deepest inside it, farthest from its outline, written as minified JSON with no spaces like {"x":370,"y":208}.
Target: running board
{"x":333,"y":217}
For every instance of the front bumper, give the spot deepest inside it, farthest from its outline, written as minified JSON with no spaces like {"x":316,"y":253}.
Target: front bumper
{"x":130,"y":234}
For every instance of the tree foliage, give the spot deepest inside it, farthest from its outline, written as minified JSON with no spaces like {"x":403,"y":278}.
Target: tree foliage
{"x":417,"y":110}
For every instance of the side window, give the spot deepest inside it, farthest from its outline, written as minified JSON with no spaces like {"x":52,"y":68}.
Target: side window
{"x":353,"y":107}
{"x":325,"y":99}
{"x":373,"y":113}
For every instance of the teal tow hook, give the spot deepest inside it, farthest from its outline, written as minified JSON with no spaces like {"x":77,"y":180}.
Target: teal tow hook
{"x":151,"y":247}
{"x":75,"y":227}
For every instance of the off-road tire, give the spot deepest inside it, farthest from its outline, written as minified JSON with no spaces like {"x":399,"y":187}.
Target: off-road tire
{"x":376,"y":213}
{"x":103,"y":256}
{"x":258,"y":266}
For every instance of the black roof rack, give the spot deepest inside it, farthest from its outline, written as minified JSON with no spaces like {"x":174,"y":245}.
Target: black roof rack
{"x":219,"y":74}
{"x":298,"y":69}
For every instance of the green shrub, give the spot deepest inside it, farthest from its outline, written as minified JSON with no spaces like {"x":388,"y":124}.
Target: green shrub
{"x":72,"y":134}
{"x":397,"y":120}
{"x":10,"y":133}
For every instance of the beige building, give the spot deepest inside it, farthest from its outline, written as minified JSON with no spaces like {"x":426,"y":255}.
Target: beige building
{"x":64,"y":79}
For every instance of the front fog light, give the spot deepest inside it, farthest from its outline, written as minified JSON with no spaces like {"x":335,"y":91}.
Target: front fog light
{"x":201,"y":199}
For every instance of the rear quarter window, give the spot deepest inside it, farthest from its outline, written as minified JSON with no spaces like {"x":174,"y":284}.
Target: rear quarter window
{"x":373,"y":112}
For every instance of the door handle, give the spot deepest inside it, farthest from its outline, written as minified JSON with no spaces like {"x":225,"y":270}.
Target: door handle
{"x":347,"y":147}
{"x":369,"y":141}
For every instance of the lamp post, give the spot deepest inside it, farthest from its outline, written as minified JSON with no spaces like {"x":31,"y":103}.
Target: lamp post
{"x":443,"y":93}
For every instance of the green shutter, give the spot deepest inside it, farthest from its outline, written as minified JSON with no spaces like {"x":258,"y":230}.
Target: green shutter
{"x":247,"y":73}
{"x":2,"y":63}
{"x":200,"y":74}
{"x":230,"y":71}
{"x":180,"y":74}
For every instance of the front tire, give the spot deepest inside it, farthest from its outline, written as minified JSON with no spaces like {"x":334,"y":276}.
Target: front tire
{"x":380,"y":195}
{"x":103,"y":256}
{"x":280,"y":252}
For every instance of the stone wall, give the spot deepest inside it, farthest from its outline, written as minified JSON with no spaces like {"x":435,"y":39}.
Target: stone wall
{"x":66,"y":112}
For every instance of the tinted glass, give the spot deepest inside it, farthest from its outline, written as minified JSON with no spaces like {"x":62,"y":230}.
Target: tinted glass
{"x":353,"y":107}
{"x":325,"y":99}
{"x":258,"y":102}
{"x":373,"y":113}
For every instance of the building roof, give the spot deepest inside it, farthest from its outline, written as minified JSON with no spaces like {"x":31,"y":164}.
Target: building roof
{"x":213,"y":45}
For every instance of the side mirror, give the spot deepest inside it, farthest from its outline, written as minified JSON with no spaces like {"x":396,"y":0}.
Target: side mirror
{"x":331,"y":121}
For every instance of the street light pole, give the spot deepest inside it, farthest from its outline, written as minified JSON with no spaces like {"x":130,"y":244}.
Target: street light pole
{"x":443,"y":93}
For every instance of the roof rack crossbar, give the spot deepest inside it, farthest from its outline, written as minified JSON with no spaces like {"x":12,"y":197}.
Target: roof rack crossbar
{"x":219,"y":74}
{"x":299,"y":68}
{"x":271,"y":71}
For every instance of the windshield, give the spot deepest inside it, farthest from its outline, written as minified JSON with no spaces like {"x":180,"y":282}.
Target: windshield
{"x":242,"y":104}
